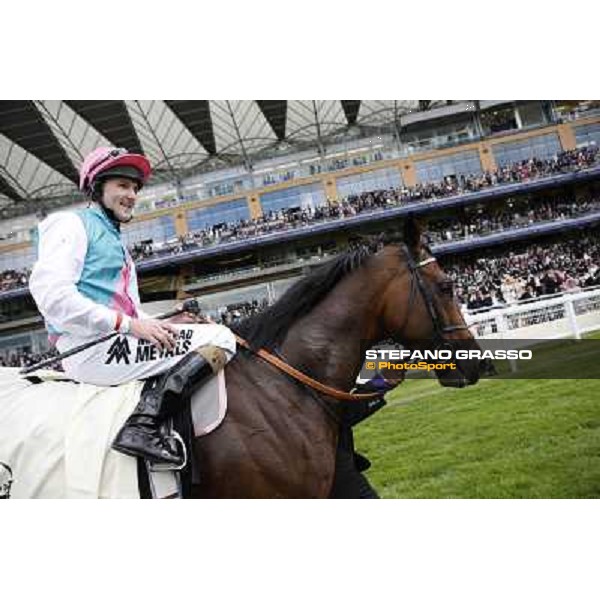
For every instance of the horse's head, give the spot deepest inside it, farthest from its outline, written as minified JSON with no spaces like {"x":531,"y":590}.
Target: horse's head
{"x":420,"y":309}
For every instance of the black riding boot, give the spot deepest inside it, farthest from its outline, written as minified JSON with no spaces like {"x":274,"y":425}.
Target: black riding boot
{"x":142,"y":435}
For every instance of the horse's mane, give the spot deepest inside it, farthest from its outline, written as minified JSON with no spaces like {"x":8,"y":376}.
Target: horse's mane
{"x":268,"y":328}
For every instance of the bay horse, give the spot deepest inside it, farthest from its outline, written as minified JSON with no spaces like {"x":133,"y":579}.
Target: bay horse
{"x":283,"y":439}
{"x":279,"y":437}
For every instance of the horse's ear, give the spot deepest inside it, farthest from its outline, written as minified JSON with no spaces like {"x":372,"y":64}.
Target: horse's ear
{"x":413,"y":230}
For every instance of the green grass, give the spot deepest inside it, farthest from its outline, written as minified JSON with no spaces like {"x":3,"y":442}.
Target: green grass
{"x":506,"y":438}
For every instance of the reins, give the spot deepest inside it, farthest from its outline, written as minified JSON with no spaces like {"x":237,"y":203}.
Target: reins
{"x":302,"y":377}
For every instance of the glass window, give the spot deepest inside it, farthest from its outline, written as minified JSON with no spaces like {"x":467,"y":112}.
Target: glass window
{"x":225,"y":212}
{"x":300,"y":196}
{"x":18,"y":259}
{"x":588,"y":134}
{"x":279,"y":177}
{"x":382,"y":179}
{"x":541,"y":146}
{"x":568,"y":110}
{"x":532,"y":114}
{"x":435,"y":169}
{"x":421,"y":137}
{"x":496,"y":120}
{"x":227,"y":187}
{"x":159,"y":229}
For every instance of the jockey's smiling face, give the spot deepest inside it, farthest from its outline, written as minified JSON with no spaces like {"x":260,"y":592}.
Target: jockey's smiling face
{"x":119,"y":195}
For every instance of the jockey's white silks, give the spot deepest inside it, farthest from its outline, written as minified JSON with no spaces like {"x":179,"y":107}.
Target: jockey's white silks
{"x":125,"y":358}
{"x":84,"y":284}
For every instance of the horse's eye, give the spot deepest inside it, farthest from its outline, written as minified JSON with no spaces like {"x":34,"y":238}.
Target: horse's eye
{"x":447,"y":287}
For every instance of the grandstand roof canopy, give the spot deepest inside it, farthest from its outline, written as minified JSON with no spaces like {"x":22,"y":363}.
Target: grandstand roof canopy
{"x":43,"y":142}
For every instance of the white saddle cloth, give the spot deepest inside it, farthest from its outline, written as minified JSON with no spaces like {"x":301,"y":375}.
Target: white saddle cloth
{"x":56,"y":436}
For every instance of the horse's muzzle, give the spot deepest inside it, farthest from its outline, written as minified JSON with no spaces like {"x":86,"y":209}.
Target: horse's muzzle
{"x":457,"y":380}
{"x":487,"y":367}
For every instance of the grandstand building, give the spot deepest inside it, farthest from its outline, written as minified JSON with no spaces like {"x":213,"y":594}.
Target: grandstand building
{"x":249,"y":195}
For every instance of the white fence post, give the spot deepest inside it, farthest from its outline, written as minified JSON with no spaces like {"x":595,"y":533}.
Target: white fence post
{"x":502,"y":325}
{"x":570,"y":311}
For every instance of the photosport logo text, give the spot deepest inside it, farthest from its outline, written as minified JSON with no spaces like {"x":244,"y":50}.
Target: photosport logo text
{"x":378,"y":359}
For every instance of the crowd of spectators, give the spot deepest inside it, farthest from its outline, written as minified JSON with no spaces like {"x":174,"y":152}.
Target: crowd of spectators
{"x":234,"y":313}
{"x":12,"y":278}
{"x":291,"y":218}
{"x":503,"y":278}
{"x":512,"y":214}
{"x":24,"y":358}
{"x":498,"y":279}
{"x":526,"y":170}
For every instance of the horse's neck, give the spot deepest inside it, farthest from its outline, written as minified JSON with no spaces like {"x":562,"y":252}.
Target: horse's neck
{"x":329,"y":342}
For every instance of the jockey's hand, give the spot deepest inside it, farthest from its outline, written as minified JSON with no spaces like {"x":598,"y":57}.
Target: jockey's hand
{"x":159,"y":333}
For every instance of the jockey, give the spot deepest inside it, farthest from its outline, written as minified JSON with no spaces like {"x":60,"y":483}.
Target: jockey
{"x":84,"y":284}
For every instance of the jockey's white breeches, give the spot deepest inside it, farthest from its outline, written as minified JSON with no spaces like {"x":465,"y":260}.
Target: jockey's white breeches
{"x":125,"y":358}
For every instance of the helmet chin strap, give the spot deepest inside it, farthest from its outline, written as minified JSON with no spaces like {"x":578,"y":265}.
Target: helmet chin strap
{"x":112,"y":216}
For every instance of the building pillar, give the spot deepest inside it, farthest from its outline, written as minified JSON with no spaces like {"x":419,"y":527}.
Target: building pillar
{"x":184,"y":272}
{"x":408,"y":172}
{"x":486,"y":157}
{"x":181,"y":225}
{"x":254,"y":206}
{"x":567,"y":138}
{"x":331,"y":192}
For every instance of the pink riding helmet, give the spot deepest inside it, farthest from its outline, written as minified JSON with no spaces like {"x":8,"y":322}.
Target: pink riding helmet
{"x":104,"y":158}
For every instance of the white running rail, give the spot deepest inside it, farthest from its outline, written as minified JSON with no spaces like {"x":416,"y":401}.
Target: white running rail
{"x":567,"y":315}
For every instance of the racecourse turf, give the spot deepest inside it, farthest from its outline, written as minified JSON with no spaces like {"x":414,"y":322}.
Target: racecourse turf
{"x":503,"y":438}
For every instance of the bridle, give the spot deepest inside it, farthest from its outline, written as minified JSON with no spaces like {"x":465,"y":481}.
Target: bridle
{"x":439,"y":328}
